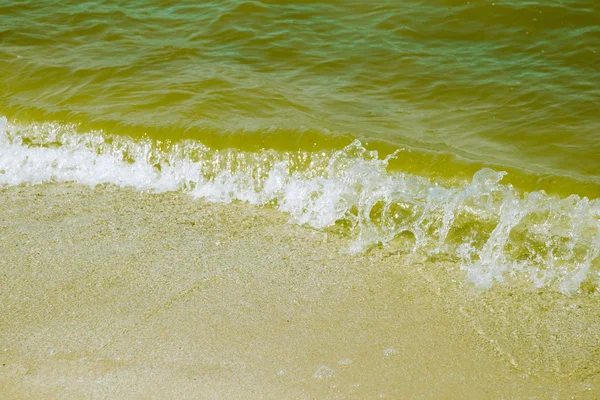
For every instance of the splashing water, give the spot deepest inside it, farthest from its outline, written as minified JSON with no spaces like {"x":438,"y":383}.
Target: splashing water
{"x":493,"y":231}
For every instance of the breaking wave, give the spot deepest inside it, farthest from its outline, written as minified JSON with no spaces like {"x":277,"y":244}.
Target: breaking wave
{"x":494,"y":232}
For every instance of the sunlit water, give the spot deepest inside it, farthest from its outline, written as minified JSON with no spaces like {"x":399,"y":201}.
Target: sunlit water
{"x":394,"y":120}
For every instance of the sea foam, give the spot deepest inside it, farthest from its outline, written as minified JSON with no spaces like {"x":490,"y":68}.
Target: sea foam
{"x":494,"y":232}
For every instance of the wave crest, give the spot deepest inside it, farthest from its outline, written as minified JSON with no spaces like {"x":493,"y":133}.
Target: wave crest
{"x":494,"y":232}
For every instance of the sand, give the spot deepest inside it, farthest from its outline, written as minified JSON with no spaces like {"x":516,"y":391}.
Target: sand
{"x":110,"y":293}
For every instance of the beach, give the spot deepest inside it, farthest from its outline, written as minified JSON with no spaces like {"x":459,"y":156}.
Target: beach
{"x":113,"y":293}
{"x":299,"y":200}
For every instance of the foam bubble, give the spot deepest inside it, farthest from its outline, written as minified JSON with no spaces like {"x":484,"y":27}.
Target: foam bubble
{"x":390,"y":352}
{"x":324,"y":372}
{"x":494,"y":232}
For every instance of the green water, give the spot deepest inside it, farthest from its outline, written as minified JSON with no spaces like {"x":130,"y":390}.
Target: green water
{"x":463,"y":129}
{"x":456,"y":85}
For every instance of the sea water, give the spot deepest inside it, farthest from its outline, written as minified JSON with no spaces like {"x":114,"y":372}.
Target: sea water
{"x":455,"y":128}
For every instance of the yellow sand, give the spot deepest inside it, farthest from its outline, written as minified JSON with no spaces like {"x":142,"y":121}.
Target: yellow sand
{"x":109,"y":293}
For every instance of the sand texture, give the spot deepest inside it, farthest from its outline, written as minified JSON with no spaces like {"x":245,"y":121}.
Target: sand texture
{"x":110,"y":293}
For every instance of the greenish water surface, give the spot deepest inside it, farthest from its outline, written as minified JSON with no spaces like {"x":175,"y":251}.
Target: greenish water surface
{"x":456,"y":85}
{"x":457,"y":129}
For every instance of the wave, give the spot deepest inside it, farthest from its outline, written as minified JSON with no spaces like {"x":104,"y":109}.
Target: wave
{"x":494,"y":232}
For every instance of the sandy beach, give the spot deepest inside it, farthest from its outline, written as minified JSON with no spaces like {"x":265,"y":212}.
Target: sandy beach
{"x":112,"y":293}
{"x":299,"y":200}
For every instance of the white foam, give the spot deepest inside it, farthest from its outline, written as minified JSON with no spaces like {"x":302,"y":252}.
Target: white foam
{"x":324,"y":372}
{"x":493,"y":231}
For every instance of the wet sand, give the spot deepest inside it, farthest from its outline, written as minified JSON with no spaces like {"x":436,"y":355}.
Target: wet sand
{"x":110,"y":293}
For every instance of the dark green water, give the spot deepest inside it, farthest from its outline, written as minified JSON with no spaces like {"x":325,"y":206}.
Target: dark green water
{"x":511,"y":84}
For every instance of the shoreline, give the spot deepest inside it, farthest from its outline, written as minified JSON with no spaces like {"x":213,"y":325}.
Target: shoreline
{"x":114,"y":293}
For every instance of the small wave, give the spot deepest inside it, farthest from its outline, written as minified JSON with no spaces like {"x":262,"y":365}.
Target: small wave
{"x":495,"y":233}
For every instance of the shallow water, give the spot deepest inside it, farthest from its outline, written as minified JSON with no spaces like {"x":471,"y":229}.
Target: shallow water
{"x":392,"y":122}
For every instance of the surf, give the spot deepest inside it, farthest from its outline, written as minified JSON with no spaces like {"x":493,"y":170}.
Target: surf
{"x":492,"y":231}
